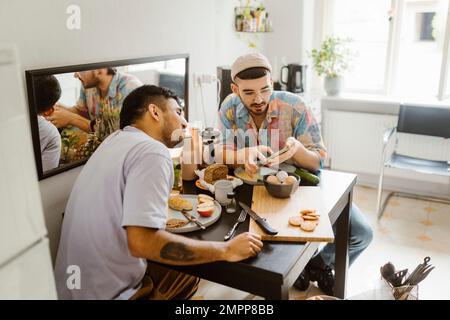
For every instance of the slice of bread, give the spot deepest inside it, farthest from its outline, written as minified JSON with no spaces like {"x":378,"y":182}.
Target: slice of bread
{"x":215,"y":172}
{"x":179,"y":203}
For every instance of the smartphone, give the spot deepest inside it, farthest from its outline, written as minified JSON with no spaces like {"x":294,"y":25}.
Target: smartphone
{"x":278,"y":153}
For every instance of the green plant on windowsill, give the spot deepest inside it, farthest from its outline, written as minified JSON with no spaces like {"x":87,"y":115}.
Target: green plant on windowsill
{"x":332,"y":60}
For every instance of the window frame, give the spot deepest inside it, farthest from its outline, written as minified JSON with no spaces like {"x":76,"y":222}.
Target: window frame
{"x":442,"y":94}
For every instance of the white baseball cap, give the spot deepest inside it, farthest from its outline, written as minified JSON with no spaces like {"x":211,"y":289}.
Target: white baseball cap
{"x":252,"y":60}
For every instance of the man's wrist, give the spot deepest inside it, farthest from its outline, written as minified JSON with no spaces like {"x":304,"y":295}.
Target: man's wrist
{"x":92,"y":125}
{"x":223,"y":249}
{"x":81,"y":122}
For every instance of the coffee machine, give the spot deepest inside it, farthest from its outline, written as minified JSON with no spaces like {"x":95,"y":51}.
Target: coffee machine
{"x":293,"y":76}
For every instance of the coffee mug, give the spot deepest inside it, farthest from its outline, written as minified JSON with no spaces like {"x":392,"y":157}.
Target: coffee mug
{"x":221,"y":190}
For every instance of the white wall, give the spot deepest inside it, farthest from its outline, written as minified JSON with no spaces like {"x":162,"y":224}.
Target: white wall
{"x":297,"y":30}
{"x":229,"y":44}
{"x":285,"y":41}
{"x":117,"y":29}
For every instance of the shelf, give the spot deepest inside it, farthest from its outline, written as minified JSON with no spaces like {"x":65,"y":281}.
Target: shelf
{"x":249,"y":19}
{"x":254,"y":31}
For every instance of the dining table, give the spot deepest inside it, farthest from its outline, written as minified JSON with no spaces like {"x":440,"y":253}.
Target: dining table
{"x":274,"y":270}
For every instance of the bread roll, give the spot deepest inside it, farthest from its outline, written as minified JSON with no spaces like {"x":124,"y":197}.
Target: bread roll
{"x":215,"y":172}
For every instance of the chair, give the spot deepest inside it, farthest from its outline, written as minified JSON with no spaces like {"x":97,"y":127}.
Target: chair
{"x":421,"y":120}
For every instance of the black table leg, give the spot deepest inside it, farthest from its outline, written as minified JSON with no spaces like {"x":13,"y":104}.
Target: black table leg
{"x":342,"y":239}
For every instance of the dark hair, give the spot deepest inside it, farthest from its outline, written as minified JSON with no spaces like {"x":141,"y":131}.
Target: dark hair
{"x":111,"y":71}
{"x":135,"y":104}
{"x":252,"y":73}
{"x":47,"y":92}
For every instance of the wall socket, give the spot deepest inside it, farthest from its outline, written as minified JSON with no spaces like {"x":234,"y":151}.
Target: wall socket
{"x":200,"y":78}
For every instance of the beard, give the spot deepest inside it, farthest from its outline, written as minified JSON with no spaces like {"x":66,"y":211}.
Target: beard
{"x":92,"y":83}
{"x":172,"y":137}
{"x":258,"y":109}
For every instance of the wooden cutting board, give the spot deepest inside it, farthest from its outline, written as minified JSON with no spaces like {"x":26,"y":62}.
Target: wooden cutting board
{"x":277,"y":212}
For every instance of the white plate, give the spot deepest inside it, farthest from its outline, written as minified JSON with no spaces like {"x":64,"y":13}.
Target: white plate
{"x":191,"y":226}
{"x":262,"y":172}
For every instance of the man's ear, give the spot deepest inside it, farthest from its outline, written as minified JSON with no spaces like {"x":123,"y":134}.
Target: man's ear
{"x":48,"y":112}
{"x":155,"y":112}
{"x":235,"y":89}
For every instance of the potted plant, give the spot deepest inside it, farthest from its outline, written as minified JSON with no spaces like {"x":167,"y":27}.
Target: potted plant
{"x":332,"y":60}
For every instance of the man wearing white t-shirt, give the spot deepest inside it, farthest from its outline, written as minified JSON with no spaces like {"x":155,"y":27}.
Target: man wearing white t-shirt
{"x":117,"y":211}
{"x":48,"y":92}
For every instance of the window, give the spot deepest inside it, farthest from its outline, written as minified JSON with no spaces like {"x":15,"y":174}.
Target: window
{"x":419,"y":62}
{"x":366,"y":22}
{"x":401,"y":45}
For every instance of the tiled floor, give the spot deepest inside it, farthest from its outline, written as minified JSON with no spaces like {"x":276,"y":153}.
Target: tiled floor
{"x":409,"y":231}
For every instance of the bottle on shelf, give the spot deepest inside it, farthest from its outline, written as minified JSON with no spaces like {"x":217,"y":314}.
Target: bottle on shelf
{"x":268,"y":26}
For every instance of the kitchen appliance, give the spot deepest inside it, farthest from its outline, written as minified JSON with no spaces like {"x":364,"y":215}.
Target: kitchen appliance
{"x":224,"y":76}
{"x":210,"y":137}
{"x":293,"y":76}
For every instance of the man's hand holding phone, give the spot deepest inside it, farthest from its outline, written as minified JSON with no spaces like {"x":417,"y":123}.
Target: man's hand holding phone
{"x":291,"y":147}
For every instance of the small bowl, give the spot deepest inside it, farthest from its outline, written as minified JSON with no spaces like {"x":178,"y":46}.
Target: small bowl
{"x":281,"y":190}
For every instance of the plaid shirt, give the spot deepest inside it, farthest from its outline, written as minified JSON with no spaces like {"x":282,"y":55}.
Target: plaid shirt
{"x":90,"y":102}
{"x":287,"y":116}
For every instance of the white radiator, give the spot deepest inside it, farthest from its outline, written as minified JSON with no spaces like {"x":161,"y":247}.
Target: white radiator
{"x":354,"y":144}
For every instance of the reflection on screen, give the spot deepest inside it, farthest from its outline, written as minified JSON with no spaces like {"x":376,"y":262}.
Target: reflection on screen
{"x":82,"y":97}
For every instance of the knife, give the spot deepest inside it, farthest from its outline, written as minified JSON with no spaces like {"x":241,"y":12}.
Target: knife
{"x":259,"y":221}
{"x":193,"y":219}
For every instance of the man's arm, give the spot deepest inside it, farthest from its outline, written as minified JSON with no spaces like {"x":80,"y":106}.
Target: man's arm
{"x":81,"y":122}
{"x":226,"y":150}
{"x":309,"y":147}
{"x":305,"y":158}
{"x":71,"y":109}
{"x":145,"y":197}
{"x":301,"y":156}
{"x":165,"y":247}
{"x":63,"y":117}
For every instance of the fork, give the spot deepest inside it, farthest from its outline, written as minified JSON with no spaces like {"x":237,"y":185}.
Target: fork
{"x":240,"y":219}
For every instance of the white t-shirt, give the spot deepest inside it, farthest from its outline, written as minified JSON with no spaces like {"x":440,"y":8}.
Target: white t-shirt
{"x":50,"y":141}
{"x":126,"y":182}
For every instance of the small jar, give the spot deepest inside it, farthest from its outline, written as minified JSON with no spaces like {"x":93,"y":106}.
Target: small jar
{"x":231,"y":207}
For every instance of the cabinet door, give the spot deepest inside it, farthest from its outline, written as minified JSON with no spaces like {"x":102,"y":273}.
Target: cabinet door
{"x":21,"y":215}
{"x":29,"y":275}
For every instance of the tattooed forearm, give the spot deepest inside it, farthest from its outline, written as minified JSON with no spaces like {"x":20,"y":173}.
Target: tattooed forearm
{"x":176,"y":252}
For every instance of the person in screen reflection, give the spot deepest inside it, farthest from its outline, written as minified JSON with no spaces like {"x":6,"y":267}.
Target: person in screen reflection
{"x":100,"y":88}
{"x":47,"y":93}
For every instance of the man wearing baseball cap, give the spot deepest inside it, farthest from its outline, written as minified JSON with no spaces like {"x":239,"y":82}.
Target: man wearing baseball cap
{"x":256,"y":119}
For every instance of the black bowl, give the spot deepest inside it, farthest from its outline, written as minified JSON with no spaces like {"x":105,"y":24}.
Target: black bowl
{"x":281,"y":190}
